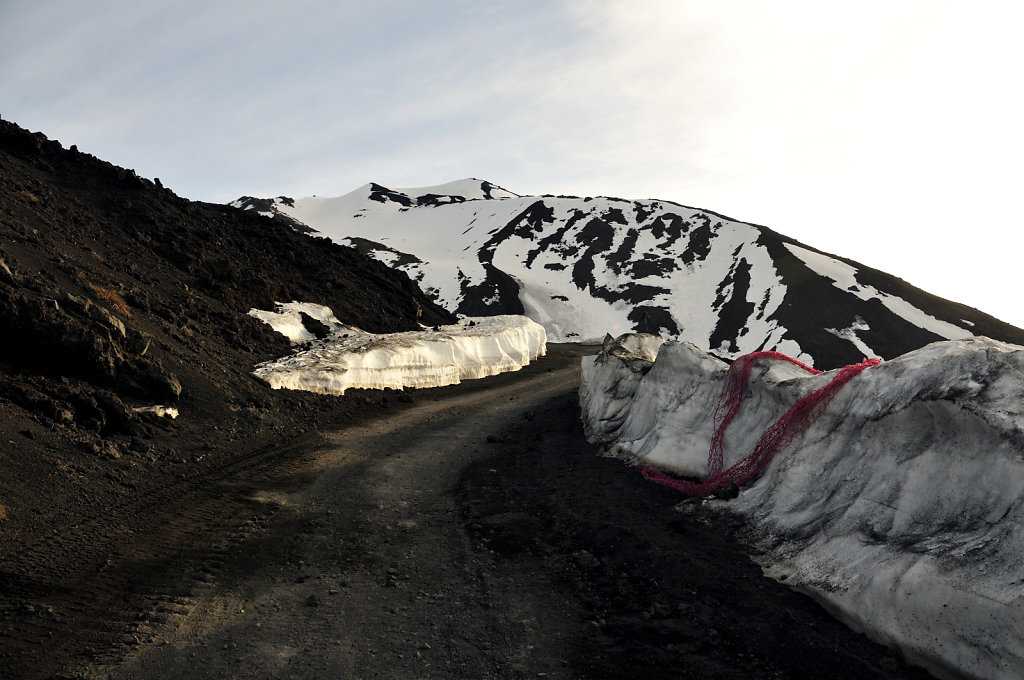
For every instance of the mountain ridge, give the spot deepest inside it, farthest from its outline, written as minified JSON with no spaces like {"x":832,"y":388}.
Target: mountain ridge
{"x":587,"y":266}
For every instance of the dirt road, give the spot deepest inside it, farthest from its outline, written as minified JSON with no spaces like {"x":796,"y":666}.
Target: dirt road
{"x":366,"y":571}
{"x":471,"y":534}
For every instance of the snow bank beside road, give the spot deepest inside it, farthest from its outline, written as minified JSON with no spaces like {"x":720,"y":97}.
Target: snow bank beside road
{"x":900,"y":509}
{"x":473,"y":348}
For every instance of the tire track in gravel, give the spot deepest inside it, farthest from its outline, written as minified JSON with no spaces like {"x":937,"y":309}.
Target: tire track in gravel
{"x":367,"y":570}
{"x":87,"y":594}
{"x":93,"y":588}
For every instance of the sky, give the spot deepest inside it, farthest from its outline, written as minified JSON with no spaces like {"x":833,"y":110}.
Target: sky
{"x":888,"y":132}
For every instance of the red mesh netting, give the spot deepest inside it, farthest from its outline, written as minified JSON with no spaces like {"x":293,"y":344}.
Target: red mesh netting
{"x":787,"y":428}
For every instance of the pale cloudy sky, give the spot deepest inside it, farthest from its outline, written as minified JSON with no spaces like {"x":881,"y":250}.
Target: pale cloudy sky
{"x":886,"y":131}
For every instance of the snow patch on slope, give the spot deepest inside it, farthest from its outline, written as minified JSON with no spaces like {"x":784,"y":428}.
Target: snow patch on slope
{"x":844,"y":277}
{"x":850,"y":335}
{"x":286,"y":319}
{"x":900,"y":509}
{"x":472,"y":348}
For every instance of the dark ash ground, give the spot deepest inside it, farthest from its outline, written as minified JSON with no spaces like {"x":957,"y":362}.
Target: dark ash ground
{"x":662,"y":594}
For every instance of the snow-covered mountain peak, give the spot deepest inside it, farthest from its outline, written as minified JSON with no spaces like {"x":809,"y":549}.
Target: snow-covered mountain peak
{"x":584,"y":267}
{"x":459,"y":191}
{"x":469,"y":189}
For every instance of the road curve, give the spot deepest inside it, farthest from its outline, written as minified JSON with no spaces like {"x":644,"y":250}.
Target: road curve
{"x":473,"y":533}
{"x":366,"y":570}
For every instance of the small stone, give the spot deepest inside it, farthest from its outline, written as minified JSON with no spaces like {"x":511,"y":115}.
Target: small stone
{"x":139,"y":445}
{"x":660,"y":611}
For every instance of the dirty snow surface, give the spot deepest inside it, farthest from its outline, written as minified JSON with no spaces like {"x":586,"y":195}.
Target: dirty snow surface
{"x":900,"y":508}
{"x":348,"y":357}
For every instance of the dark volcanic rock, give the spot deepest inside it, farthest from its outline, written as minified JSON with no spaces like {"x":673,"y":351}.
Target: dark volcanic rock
{"x":318,"y":328}
{"x":117,"y":294}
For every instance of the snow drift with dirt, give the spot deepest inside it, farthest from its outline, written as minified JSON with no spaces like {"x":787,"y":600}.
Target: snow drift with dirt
{"x":347,"y":357}
{"x":900,"y":508}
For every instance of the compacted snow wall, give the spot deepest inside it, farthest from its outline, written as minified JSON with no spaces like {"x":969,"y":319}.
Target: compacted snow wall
{"x":900,"y":508}
{"x":349,"y":357}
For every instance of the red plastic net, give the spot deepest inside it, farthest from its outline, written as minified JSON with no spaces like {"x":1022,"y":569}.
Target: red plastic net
{"x":782,"y":432}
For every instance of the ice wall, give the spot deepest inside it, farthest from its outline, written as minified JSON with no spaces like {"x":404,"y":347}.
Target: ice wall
{"x":900,"y":509}
{"x":472,"y":348}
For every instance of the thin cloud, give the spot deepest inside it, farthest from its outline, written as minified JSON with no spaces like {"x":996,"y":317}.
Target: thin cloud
{"x":865,"y":129}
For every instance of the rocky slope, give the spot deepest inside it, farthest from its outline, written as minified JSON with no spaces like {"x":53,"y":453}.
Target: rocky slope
{"x":116,"y":294}
{"x":584,"y":267}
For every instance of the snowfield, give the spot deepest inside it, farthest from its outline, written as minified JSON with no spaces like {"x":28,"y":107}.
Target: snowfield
{"x":586,"y":266}
{"x":349,"y":357}
{"x":900,"y":508}
{"x":475,"y":245}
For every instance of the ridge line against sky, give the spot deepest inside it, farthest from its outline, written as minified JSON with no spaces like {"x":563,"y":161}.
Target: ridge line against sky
{"x":889,"y":133}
